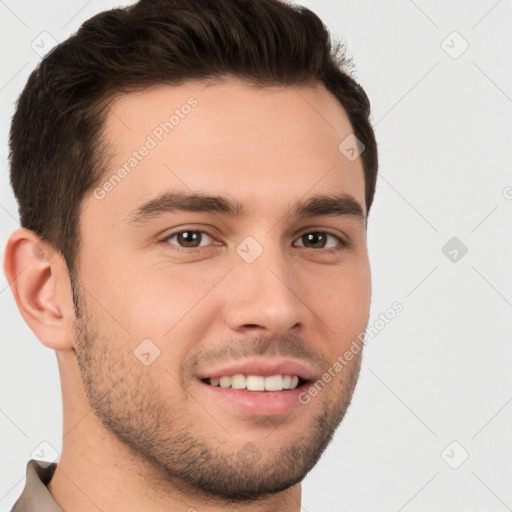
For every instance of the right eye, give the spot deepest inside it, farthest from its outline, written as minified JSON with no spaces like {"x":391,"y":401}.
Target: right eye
{"x":188,"y":238}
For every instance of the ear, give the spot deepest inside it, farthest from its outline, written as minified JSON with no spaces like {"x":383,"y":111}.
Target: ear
{"x":39,"y":280}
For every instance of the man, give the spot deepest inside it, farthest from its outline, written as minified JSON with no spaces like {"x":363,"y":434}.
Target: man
{"x":194,"y":181}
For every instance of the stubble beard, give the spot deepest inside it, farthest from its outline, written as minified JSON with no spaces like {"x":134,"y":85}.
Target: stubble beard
{"x":134,"y":408}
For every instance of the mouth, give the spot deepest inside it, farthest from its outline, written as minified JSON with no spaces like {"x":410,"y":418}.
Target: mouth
{"x":258,"y":387}
{"x":257,"y":383}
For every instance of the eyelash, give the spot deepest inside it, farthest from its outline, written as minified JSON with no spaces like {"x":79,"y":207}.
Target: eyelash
{"x":342,"y":243}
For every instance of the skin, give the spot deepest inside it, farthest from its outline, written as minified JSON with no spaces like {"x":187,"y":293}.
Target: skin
{"x":147,"y":437}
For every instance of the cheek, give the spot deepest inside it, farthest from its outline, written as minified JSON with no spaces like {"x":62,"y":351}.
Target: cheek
{"x":168,"y":305}
{"x":342,"y":301}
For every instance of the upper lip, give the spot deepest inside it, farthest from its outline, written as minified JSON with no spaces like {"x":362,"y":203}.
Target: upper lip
{"x":263,"y":367}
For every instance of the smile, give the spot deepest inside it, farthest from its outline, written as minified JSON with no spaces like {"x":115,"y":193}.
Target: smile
{"x":256,"y":382}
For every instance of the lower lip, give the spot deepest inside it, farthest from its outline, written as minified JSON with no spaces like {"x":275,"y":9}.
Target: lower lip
{"x":260,"y":403}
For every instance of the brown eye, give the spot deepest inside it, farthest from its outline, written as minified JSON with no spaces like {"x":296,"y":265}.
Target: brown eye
{"x":315,"y":240}
{"x":320,"y":239}
{"x":188,"y":239}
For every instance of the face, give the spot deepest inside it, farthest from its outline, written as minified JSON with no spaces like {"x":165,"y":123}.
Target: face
{"x":223,"y":270}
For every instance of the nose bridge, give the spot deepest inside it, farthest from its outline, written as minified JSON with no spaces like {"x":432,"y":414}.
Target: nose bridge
{"x":264,"y":288}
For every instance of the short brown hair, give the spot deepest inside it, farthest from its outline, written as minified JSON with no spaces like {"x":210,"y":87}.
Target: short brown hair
{"x":57,"y":154}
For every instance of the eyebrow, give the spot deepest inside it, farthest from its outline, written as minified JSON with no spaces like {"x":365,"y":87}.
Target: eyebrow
{"x":332,"y":205}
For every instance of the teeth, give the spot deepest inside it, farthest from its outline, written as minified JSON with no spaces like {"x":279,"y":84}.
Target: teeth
{"x":225,"y":382}
{"x":274,"y":383}
{"x":256,"y":382}
{"x":238,"y":381}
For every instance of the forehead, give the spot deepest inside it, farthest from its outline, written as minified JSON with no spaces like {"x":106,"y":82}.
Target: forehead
{"x":229,"y":137}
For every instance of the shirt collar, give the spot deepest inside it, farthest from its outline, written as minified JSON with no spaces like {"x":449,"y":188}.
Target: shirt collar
{"x":35,"y":496}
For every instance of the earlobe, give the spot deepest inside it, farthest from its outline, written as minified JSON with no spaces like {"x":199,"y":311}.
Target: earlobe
{"x":39,"y":280}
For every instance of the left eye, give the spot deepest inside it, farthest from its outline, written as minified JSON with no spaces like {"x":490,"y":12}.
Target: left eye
{"x":317,"y":238}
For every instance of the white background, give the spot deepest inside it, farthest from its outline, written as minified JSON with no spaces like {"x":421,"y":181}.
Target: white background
{"x":440,"y":371}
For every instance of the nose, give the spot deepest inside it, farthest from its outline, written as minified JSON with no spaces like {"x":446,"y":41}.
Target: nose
{"x":265,"y":295}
